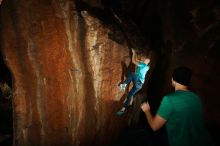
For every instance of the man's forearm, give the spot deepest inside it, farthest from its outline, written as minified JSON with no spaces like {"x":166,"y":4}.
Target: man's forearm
{"x":155,"y":122}
{"x":150,"y":120}
{"x":149,"y":117}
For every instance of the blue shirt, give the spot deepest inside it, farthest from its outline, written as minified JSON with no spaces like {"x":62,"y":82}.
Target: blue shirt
{"x":141,"y":71}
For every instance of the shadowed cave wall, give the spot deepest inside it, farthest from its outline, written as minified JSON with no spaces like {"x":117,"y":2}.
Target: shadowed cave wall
{"x":66,"y":59}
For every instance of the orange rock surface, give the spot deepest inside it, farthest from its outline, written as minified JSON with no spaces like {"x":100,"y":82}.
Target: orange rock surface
{"x":65,"y":72}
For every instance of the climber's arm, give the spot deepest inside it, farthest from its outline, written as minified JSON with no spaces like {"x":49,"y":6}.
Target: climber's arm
{"x":134,"y":57}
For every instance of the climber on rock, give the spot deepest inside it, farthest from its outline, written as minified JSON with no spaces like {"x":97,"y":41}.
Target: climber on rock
{"x":137,"y":77}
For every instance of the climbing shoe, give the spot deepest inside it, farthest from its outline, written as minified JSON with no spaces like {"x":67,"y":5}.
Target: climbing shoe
{"x":120,"y":113}
{"x":122,"y":87}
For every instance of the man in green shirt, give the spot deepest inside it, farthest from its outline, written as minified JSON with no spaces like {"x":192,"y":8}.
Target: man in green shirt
{"x":182,"y":113}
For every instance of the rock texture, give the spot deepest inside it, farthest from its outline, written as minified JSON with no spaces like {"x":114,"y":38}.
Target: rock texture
{"x":66,"y":63}
{"x":65,"y":70}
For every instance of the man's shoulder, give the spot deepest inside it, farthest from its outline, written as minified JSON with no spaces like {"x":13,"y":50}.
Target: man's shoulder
{"x":180,"y":95}
{"x":170,"y":95}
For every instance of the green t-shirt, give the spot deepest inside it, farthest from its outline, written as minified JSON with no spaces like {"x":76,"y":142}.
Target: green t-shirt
{"x":183,"y":113}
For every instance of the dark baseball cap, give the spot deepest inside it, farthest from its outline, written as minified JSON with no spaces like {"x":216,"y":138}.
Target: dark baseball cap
{"x":182,"y":75}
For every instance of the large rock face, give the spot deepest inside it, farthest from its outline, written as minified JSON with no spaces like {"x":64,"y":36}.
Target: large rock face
{"x":65,"y":72}
{"x":66,"y":63}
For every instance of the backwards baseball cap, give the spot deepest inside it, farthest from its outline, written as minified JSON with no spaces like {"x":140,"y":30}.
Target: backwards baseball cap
{"x":182,"y":75}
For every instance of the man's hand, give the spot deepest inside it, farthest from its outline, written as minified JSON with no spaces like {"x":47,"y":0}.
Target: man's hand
{"x":155,"y":122}
{"x":145,"y":107}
